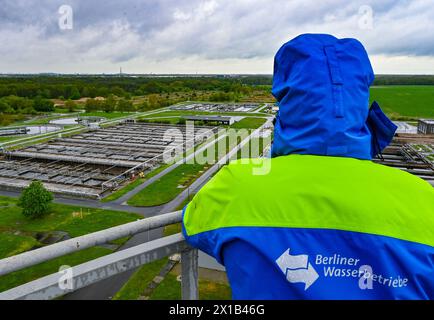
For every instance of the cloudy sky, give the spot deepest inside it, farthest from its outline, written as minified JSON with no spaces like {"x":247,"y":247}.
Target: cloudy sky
{"x":204,"y":36}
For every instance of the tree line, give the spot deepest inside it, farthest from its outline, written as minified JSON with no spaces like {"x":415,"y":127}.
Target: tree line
{"x":76,"y":87}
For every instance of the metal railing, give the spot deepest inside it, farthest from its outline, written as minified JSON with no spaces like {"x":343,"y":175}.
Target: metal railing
{"x":80,"y":276}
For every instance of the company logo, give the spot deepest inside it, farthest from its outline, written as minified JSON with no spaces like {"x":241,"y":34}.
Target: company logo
{"x":336,"y":267}
{"x":297,"y":269}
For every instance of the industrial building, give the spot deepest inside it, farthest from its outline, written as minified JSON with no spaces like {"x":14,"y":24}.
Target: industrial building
{"x":224,"y":120}
{"x":218,"y":107}
{"x":404,"y":153}
{"x":90,"y":163}
{"x":404,"y":127}
{"x":425,"y":126}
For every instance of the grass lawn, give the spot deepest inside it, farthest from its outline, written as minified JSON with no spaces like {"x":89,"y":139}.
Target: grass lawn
{"x":169,"y":120}
{"x":108,"y":115}
{"x":137,"y":284}
{"x":9,"y":138}
{"x":12,"y":244}
{"x":60,"y":219}
{"x":249,"y":123}
{"x":170,"y":289}
{"x":176,"y":227}
{"x":405,"y":101}
{"x":139,"y":281}
{"x":169,"y":186}
{"x":180,"y":113}
{"x":133,"y":184}
{"x":18,"y":234}
{"x":127,"y":188}
{"x":61,"y":110}
{"x":253,"y":149}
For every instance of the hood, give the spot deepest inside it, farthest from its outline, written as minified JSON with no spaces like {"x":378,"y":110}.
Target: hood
{"x":322,"y":85}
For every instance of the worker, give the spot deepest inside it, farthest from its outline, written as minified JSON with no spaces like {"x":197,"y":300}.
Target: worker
{"x":325,"y":222}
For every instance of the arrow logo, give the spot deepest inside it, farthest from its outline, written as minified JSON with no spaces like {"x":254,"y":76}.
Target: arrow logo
{"x":297,"y":269}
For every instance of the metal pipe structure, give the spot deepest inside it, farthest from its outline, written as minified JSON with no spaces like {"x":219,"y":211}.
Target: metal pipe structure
{"x":30,"y":258}
{"x":143,"y":164}
{"x":189,"y":274}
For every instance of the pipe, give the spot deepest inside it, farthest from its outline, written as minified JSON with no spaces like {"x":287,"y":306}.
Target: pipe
{"x":34,"y":257}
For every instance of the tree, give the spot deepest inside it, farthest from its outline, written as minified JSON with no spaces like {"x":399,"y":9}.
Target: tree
{"x":109,"y":104}
{"x":144,"y":106}
{"x":154,"y":101}
{"x":5,"y":108}
{"x":75,"y":94}
{"x":118,"y":91}
{"x":43,"y":105}
{"x":222,"y":96}
{"x":6,"y":119}
{"x":70,"y":105}
{"x":18,"y":104}
{"x":93,"y":105}
{"x":35,"y":200}
{"x":125,"y":105}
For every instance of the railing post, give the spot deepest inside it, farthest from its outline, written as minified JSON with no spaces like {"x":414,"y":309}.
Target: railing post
{"x":189,"y":275}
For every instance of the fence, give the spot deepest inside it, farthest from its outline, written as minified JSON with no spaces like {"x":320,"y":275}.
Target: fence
{"x":80,"y":276}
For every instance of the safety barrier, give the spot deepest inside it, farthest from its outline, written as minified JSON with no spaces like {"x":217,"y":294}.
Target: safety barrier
{"x":80,"y":276}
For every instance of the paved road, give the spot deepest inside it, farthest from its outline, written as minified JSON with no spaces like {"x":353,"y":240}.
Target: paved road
{"x":261,"y":108}
{"x":89,"y":203}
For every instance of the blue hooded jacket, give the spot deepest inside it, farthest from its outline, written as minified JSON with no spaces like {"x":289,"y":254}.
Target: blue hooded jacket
{"x":324,"y":222}
{"x":322,"y":86}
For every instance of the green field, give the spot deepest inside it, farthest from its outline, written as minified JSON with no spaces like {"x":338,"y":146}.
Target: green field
{"x":19,"y":234}
{"x":168,"y":187}
{"x":107,"y":115}
{"x":179,"y":113}
{"x":9,"y":138}
{"x":169,"y":288}
{"x":60,"y":218}
{"x":123,"y":190}
{"x":403,"y":102}
{"x":249,"y":123}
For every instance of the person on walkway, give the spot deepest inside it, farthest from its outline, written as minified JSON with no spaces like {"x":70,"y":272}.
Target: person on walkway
{"x":326,"y":222}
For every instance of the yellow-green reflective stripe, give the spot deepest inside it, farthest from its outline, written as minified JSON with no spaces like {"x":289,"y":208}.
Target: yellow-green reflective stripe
{"x":303,"y":191}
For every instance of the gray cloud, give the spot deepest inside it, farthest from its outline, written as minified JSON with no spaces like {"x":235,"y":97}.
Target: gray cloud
{"x":149,"y":32}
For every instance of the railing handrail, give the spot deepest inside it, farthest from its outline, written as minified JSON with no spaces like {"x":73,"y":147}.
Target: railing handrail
{"x":31,"y":258}
{"x":70,"y":279}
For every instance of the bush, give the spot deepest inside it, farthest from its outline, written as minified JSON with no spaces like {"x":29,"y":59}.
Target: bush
{"x":35,"y":200}
{"x":70,"y":105}
{"x":43,"y":105}
{"x":125,"y":105}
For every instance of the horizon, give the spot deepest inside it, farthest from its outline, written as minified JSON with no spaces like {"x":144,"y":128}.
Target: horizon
{"x":182,"y":74}
{"x":204,"y":36}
